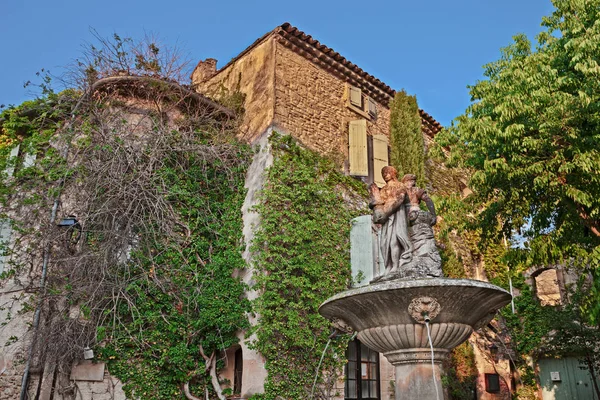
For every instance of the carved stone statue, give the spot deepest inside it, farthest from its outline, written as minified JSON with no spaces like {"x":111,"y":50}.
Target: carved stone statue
{"x":407,"y":243}
{"x":389,"y":211}
{"x":426,"y":258}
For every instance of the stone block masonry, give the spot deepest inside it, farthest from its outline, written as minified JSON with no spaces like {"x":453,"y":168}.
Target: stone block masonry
{"x":310,"y":104}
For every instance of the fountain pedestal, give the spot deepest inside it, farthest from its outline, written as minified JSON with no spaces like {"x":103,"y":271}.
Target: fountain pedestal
{"x":391,"y":317}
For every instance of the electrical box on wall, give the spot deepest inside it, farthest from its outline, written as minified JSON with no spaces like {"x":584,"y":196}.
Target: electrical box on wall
{"x":555,"y":376}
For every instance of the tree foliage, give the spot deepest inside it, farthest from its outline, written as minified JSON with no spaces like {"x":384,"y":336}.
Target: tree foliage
{"x":531,"y":138}
{"x":408,"y":152}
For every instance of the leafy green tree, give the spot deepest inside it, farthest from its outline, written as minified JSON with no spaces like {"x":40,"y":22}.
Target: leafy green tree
{"x":532,"y":136}
{"x":407,"y":153}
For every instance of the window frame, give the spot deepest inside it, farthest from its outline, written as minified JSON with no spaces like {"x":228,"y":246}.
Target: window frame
{"x":492,"y":385}
{"x":358,"y":372}
{"x":367,"y":107}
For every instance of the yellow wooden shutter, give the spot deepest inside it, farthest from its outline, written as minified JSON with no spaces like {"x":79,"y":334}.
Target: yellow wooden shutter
{"x":380,"y":157}
{"x":372,"y":108}
{"x":355,"y":96}
{"x":357,"y":148}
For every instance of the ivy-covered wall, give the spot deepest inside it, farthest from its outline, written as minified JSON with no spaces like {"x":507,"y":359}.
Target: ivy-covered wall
{"x":147,"y":279}
{"x":303,"y":255}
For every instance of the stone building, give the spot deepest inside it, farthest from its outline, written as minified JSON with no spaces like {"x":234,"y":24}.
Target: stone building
{"x":26,"y":374}
{"x":296,"y":85}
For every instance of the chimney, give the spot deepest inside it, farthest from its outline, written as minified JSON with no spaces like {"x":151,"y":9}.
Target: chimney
{"x":204,"y":70}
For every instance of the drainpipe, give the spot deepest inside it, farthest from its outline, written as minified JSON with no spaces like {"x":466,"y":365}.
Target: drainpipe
{"x":38,"y":309}
{"x":512,"y":301}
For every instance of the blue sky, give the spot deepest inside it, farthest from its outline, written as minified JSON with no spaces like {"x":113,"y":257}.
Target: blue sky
{"x":431,"y":48}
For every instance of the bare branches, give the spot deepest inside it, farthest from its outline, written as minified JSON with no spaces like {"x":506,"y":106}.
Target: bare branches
{"x":117,"y":56}
{"x":131,"y":139}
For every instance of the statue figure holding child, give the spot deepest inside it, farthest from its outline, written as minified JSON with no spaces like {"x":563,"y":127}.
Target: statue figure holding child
{"x":407,"y":243}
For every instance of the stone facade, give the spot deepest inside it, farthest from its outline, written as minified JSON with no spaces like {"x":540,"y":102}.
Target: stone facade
{"x":252,"y":74}
{"x":311,"y":105}
{"x":302,"y":88}
{"x":289,"y":88}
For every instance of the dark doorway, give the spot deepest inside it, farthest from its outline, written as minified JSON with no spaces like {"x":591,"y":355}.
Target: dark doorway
{"x":238,"y":367}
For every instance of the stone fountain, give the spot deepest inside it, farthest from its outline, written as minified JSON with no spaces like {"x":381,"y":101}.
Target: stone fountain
{"x":410,"y":313}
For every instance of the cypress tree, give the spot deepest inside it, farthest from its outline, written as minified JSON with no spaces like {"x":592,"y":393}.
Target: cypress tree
{"x":407,"y":147}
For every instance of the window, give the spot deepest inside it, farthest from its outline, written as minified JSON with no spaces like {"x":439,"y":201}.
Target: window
{"x":362,"y":372}
{"x":367,"y":154}
{"x":360,"y":103}
{"x":492,"y":383}
{"x":10,"y":168}
{"x":19,"y":159}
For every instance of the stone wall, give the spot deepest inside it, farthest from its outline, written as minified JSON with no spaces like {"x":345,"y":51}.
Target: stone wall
{"x":311,"y":105}
{"x":488,"y":364}
{"x":252,"y":73}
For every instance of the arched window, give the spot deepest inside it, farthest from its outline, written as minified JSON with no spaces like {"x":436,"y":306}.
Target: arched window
{"x":547,"y":287}
{"x":362,"y":372}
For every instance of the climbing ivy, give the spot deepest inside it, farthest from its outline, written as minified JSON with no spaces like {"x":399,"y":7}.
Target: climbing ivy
{"x":186,"y":299}
{"x":302,"y":251}
{"x":460,"y":379}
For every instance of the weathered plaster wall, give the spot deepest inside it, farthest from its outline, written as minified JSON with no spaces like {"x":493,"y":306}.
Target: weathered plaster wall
{"x":487,"y":365}
{"x":14,"y":326}
{"x":14,"y":331}
{"x":254,"y":373}
{"x":253,"y":74}
{"x":310,"y":105}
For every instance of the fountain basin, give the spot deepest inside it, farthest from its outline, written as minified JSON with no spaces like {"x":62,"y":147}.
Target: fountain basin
{"x":391,"y":317}
{"x":386,"y":321}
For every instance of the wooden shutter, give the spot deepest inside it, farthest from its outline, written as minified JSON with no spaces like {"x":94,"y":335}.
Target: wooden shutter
{"x":355,"y":96}
{"x":380,"y":157}
{"x":357,"y":148}
{"x":372,"y":108}
{"x":12,"y":159}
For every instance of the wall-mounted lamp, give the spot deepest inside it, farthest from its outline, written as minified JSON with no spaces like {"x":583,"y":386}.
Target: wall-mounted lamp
{"x":73,"y":229}
{"x":494,"y":351}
